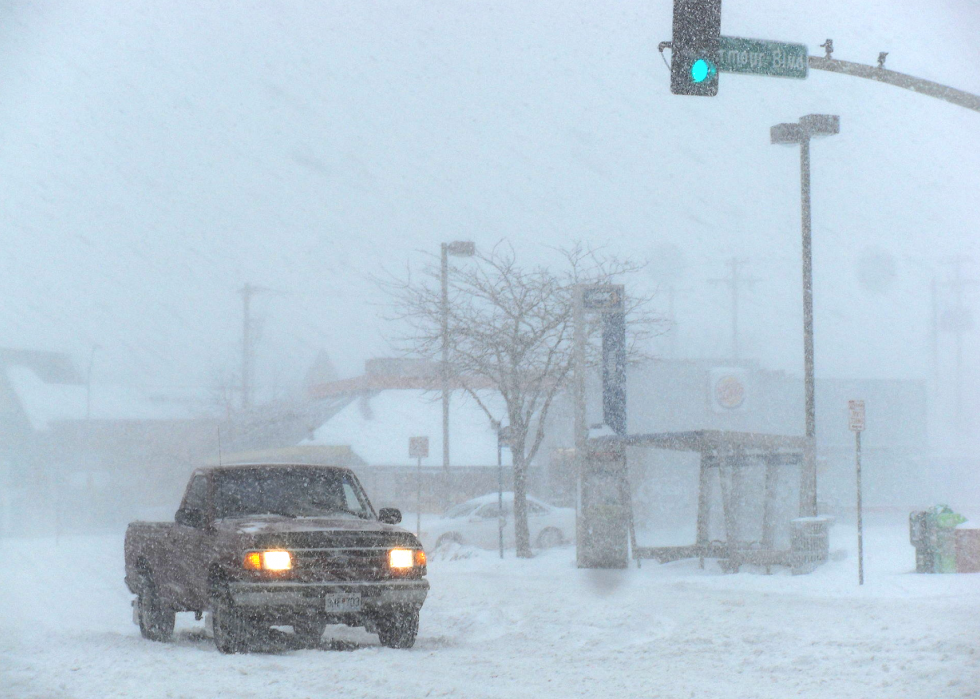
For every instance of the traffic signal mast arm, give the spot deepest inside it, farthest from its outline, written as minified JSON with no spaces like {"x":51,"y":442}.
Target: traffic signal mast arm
{"x":908,"y":82}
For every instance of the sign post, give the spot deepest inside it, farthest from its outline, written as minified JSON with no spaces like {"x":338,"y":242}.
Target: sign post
{"x":418,"y":448}
{"x":855,"y":410}
{"x":504,"y":439}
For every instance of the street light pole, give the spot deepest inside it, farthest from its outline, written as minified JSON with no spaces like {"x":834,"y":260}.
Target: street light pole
{"x":444,"y":364}
{"x":457,"y":248}
{"x":809,"y":126}
{"x":809,"y":495}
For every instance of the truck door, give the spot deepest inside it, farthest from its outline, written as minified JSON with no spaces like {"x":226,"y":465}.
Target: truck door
{"x":188,"y":543}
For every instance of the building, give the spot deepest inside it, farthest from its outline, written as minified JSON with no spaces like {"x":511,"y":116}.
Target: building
{"x":397,"y":399}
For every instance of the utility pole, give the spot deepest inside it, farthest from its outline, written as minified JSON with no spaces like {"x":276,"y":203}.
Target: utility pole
{"x":247,"y":292}
{"x":934,"y":297}
{"x":734,"y":281}
{"x":673,"y":333}
{"x":672,"y":315}
{"x":88,"y":383}
{"x":958,"y":321}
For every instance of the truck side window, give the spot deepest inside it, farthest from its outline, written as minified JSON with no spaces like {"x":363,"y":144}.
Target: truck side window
{"x":353,"y":504}
{"x":196,"y":494}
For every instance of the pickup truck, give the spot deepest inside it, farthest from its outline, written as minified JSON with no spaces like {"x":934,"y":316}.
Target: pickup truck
{"x":268,"y":545}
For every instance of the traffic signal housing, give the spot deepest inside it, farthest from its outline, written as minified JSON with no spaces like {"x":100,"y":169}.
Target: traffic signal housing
{"x":694,"y":47}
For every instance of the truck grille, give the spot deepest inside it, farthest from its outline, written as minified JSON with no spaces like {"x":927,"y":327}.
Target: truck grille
{"x":346,"y":564}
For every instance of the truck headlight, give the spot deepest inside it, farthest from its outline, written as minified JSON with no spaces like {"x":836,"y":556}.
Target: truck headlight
{"x":401,"y":558}
{"x":269,"y":560}
{"x":405,"y":559}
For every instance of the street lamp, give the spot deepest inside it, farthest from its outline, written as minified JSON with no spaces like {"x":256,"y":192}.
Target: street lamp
{"x":809,"y":126}
{"x":457,"y":248}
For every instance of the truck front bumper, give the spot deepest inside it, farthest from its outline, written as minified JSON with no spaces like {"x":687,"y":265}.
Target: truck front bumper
{"x":310,"y":596}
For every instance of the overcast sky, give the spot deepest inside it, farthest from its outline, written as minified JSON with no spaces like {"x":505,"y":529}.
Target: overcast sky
{"x":155,"y":156}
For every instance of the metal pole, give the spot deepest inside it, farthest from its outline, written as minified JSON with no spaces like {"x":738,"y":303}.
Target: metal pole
{"x":907,"y":82}
{"x":935,"y":334}
{"x":581,"y":436}
{"x":444,"y":367}
{"x":735,"y":308}
{"x":246,"y":342}
{"x":418,"y":498}
{"x":808,"y":480}
{"x":857,"y":456}
{"x":959,"y":374}
{"x":88,"y":384}
{"x":500,"y":494}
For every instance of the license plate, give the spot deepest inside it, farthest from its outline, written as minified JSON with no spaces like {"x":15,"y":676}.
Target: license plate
{"x":343,"y":602}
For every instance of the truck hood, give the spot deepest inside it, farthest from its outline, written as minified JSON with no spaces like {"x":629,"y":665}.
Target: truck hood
{"x":275,"y":524}
{"x":312,"y":532}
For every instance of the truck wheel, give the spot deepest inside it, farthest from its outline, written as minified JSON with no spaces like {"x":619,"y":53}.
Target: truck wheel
{"x":399,"y":629}
{"x":155,"y":617}
{"x":309,"y":632}
{"x":231,"y":628}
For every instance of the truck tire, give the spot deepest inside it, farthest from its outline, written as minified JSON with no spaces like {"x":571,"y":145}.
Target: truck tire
{"x":155,"y":617}
{"x":231,"y":629}
{"x":309,"y":632}
{"x":398,"y":629}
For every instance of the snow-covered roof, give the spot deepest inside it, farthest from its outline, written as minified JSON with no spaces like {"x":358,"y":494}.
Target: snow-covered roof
{"x":47,"y":403}
{"x":378,"y":426}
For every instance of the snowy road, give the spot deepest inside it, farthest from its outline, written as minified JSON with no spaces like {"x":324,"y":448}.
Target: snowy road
{"x":538,"y":628}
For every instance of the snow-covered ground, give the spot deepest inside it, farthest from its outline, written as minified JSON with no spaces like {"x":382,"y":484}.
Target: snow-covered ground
{"x":516,"y":628}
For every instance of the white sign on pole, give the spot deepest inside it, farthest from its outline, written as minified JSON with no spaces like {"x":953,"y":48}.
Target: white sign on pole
{"x":855,"y":421}
{"x":418,"y":447}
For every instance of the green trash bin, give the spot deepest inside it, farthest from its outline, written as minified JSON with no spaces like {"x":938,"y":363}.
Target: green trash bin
{"x":945,"y":521}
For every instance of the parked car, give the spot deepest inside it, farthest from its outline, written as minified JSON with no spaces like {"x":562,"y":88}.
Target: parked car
{"x":477,"y":522}
{"x":265,"y":545}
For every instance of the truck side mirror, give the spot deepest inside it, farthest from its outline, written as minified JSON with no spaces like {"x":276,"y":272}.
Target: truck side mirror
{"x":189,"y":518}
{"x":390,"y":515}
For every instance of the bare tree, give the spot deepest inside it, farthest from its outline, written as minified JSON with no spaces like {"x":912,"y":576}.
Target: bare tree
{"x":510,"y":328}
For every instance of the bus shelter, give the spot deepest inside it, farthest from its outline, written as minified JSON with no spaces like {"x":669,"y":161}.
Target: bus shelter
{"x":724,"y":458}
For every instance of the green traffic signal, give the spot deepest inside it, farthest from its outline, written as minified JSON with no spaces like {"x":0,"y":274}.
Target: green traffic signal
{"x":701,"y":70}
{"x":694,"y":47}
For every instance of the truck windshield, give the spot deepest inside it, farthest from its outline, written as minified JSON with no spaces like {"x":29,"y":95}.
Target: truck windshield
{"x":289,"y":493}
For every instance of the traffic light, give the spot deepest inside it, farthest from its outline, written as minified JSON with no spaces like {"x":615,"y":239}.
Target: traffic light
{"x":694,"y":47}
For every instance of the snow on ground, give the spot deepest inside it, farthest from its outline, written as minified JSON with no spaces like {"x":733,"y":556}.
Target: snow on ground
{"x":535,"y":628}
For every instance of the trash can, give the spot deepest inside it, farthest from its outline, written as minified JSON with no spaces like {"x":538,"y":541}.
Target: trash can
{"x":810,"y":542}
{"x":946,"y":522}
{"x":933,"y":533}
{"x":922,"y":535}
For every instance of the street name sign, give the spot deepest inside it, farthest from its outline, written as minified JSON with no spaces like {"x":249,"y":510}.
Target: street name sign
{"x":760,"y":57}
{"x":855,"y":409}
